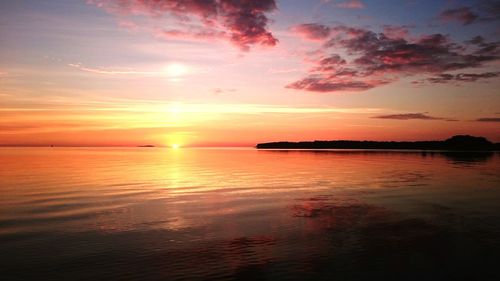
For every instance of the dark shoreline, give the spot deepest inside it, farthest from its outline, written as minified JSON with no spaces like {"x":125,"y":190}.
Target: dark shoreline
{"x":456,"y":143}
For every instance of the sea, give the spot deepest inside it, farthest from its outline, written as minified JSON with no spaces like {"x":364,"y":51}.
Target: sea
{"x":248,"y":214}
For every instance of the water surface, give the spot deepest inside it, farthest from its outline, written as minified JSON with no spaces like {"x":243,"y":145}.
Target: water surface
{"x":244,"y":214}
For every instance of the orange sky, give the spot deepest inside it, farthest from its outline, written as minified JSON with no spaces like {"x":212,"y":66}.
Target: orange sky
{"x":94,"y":73}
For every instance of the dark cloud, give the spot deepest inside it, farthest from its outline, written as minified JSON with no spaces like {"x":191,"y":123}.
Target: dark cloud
{"x":377,"y":59}
{"x":481,"y":11}
{"x":377,"y":53}
{"x":332,"y":63}
{"x":490,"y":10}
{"x":462,"y":77}
{"x":242,"y":22}
{"x":488,"y":119}
{"x":463,"y":15}
{"x":483,"y":47}
{"x":333,"y":84}
{"x":411,"y":116}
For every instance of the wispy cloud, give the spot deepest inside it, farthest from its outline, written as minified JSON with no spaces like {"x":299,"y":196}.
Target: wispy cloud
{"x":283,"y":70}
{"x":481,"y":12}
{"x":351,"y":4}
{"x":158,"y":106}
{"x":113,"y":71}
{"x":397,"y":31}
{"x":218,"y":91}
{"x":100,"y":114}
{"x":410,"y":116}
{"x":462,"y":77}
{"x":463,"y":15}
{"x":173,"y":71}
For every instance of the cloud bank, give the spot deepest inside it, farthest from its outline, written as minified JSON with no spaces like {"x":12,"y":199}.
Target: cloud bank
{"x":373,"y":59}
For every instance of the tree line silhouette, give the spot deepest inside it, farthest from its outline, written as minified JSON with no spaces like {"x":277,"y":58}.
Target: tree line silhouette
{"x":459,"y":142}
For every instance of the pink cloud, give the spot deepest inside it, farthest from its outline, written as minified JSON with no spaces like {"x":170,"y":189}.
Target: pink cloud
{"x":394,"y":31}
{"x":127,"y":24}
{"x":243,"y":22}
{"x":351,"y":4}
{"x":312,"y":31}
{"x":190,"y":34}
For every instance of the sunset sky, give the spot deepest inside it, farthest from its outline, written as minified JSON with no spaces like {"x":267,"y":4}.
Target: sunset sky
{"x":239,"y":72}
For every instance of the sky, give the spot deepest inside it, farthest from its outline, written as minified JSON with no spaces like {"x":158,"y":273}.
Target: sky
{"x":240,"y":72}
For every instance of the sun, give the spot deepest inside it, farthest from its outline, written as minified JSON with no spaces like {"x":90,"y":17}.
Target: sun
{"x":176,"y":70}
{"x":175,"y":146}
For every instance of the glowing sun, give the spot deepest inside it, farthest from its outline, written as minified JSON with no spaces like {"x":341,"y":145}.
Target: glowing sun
{"x":176,"y":70}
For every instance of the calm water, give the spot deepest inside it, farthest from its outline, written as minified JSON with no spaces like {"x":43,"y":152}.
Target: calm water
{"x":243,"y":214}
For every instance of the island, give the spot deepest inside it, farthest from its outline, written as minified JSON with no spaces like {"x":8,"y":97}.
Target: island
{"x":147,"y":145}
{"x":457,"y":143}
